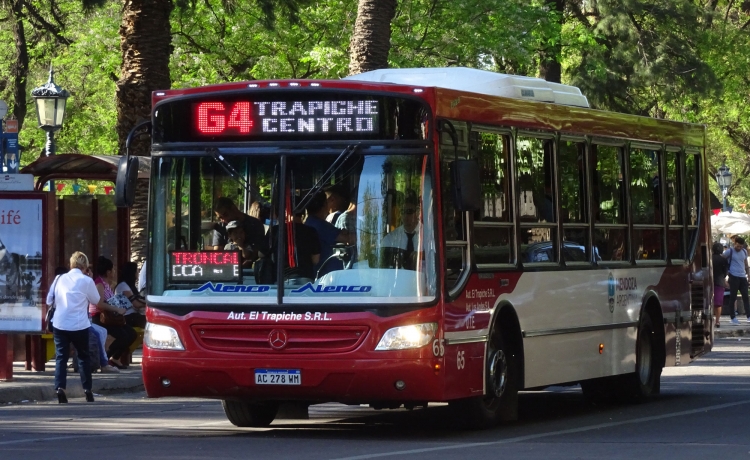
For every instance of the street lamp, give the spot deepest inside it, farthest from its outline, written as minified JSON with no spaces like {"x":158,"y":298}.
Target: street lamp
{"x":50,"y":109}
{"x":724,"y":178}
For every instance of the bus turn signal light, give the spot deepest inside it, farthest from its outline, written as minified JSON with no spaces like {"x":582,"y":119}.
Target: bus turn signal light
{"x":601,"y":348}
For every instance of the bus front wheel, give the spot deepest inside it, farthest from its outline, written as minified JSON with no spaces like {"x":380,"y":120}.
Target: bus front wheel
{"x":247,"y":415}
{"x":500,"y":401}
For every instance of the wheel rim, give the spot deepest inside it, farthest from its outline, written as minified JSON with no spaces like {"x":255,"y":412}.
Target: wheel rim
{"x":644,"y":358}
{"x":498,"y":377}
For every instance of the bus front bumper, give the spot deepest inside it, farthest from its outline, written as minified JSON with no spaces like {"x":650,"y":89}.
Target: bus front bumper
{"x":351,"y":381}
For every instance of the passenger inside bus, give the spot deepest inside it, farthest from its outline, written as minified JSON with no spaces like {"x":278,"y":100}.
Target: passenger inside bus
{"x":227,"y":211}
{"x":328,"y":235}
{"x":400,"y":246}
{"x":238,"y":242}
{"x":337,"y":201}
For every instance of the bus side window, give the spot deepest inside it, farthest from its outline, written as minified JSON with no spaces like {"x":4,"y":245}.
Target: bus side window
{"x":675,"y":214}
{"x":534,"y":170}
{"x":692,"y":194}
{"x":610,"y":225}
{"x":646,"y":203}
{"x":573,"y":194}
{"x":493,"y":235}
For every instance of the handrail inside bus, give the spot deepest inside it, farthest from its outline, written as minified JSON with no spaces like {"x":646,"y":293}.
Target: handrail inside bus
{"x":335,"y":166}
{"x":233,"y":173}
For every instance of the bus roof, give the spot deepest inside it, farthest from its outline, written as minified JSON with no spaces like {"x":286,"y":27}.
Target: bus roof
{"x":481,"y":82}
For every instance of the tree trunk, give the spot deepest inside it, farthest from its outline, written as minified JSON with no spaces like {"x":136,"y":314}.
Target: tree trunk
{"x":371,"y":39}
{"x":20,"y":65}
{"x":549,"y":57}
{"x":145,"y":43}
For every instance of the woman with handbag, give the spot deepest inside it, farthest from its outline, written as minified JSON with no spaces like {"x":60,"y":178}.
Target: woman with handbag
{"x":70,"y":296}
{"x":110,"y":313}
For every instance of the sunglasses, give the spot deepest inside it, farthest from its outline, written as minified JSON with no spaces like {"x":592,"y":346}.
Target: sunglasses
{"x":408,"y":212}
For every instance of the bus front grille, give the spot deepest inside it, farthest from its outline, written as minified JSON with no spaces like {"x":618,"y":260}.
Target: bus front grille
{"x":279,"y":339}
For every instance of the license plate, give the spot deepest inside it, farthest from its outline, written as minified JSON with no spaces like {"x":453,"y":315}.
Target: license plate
{"x":278,"y":377}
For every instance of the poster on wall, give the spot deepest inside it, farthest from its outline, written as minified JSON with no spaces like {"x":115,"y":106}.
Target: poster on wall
{"x":21,"y":233}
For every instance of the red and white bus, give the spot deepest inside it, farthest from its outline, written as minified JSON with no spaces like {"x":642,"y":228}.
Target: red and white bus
{"x":550,"y":244}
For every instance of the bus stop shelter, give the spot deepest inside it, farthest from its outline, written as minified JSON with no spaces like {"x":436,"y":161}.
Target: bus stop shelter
{"x":86,"y":221}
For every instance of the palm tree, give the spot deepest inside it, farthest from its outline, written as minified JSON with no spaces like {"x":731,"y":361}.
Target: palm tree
{"x":371,"y":39}
{"x":146,"y":46}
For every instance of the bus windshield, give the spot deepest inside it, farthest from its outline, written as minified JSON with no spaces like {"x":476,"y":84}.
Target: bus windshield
{"x":303,"y":228}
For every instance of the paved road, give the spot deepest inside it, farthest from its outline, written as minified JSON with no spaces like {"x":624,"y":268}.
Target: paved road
{"x":703,"y":413}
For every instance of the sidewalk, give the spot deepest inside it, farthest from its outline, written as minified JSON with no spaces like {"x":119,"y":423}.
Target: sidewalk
{"x":29,"y":386}
{"x":728,"y":329}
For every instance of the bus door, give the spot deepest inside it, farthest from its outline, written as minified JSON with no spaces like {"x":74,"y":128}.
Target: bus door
{"x":467,"y":305}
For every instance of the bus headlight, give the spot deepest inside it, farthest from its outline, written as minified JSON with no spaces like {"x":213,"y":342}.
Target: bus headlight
{"x":405,"y":337}
{"x":161,"y":337}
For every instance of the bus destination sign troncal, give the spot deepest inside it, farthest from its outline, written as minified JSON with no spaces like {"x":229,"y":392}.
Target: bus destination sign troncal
{"x":204,"y":266}
{"x":251,"y":118}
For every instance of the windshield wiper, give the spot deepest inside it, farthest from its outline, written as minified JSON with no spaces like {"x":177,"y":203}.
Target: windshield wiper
{"x":335,"y":166}
{"x":234,"y":174}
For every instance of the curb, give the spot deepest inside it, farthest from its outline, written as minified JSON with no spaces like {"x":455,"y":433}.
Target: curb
{"x":729,"y":333}
{"x":45,"y":391}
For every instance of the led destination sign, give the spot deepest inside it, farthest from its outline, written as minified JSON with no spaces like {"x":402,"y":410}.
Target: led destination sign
{"x":199,"y":267}
{"x":246,"y":117}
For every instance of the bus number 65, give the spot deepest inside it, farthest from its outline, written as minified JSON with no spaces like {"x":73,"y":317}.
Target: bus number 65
{"x":438,"y":347}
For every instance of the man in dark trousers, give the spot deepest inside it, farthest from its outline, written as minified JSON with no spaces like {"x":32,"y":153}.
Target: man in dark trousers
{"x":738,"y":271}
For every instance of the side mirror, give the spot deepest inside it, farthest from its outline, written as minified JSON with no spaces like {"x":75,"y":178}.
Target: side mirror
{"x":467,"y":190}
{"x":127,"y":176}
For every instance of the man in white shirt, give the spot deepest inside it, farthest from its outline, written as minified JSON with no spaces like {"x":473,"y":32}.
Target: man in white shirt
{"x":406,"y":237}
{"x":71,"y":294}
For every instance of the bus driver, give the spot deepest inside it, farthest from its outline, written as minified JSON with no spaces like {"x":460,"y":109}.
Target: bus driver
{"x":405,"y":238}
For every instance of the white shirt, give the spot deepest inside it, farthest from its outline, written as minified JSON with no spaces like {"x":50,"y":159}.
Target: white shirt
{"x":72,"y":294}
{"x":398,"y":239}
{"x":122,"y":288}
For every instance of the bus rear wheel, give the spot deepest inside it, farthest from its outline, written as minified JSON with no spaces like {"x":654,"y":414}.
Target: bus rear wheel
{"x":248,"y":415}
{"x":636,"y":386}
{"x":645,"y":381}
{"x":500,"y":401}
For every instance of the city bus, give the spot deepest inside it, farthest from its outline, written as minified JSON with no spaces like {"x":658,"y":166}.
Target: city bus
{"x":548,"y":244}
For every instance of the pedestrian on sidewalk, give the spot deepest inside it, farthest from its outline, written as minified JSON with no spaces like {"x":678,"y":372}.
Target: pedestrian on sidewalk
{"x":721,"y":267}
{"x":738,"y":271}
{"x":71,"y":295}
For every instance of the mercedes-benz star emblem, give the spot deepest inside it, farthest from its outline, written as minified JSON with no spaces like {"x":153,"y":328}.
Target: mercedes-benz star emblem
{"x":277,"y":338}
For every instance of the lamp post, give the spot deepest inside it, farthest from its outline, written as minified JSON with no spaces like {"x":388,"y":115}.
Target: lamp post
{"x":50,"y":109}
{"x":724,"y":178}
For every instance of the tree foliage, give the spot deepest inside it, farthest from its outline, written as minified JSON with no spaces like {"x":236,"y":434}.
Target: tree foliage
{"x":687,"y":60}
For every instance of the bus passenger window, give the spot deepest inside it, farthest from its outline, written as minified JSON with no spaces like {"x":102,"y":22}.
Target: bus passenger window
{"x":692,"y":194}
{"x":675,"y":236}
{"x":493,"y":224}
{"x":610,"y":225}
{"x":536,"y":199}
{"x":573,"y":195}
{"x":645,"y":203}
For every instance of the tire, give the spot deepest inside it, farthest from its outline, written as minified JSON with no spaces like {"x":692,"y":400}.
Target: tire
{"x":500,"y":402}
{"x":249,"y":415}
{"x":646,"y":380}
{"x":637,"y":386}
